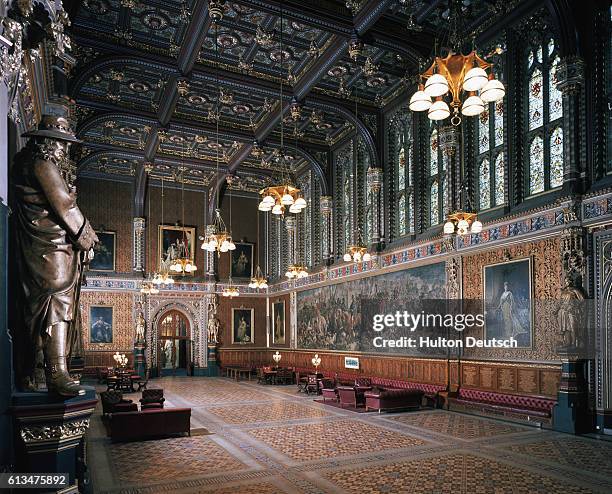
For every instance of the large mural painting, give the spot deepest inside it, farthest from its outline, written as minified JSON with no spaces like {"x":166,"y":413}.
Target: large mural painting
{"x":339,"y":317}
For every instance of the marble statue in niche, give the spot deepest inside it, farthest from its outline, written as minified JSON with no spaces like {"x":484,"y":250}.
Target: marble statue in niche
{"x":53,"y":241}
{"x":213,"y":323}
{"x":141,"y":325}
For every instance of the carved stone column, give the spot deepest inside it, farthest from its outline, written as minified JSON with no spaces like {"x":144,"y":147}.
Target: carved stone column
{"x":211,"y":257}
{"x":139,"y":245}
{"x":375,"y":180}
{"x":570,"y":76}
{"x":290,"y":226}
{"x":573,"y":317}
{"x":326,"y":229}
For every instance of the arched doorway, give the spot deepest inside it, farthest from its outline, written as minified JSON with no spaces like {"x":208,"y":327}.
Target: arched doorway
{"x":174,"y":348}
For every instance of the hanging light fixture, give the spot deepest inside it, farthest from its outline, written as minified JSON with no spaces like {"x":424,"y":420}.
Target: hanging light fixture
{"x":231,"y":290}
{"x":279,"y":198}
{"x":357,"y":252}
{"x":162,"y":276}
{"x":456,"y":74}
{"x":258,"y":281}
{"x":296,"y":271}
{"x":148,"y":286}
{"x":183,"y":264}
{"x":218,"y":239}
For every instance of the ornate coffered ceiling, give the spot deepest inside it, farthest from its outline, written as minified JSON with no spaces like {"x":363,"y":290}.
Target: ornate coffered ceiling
{"x":146,"y":77}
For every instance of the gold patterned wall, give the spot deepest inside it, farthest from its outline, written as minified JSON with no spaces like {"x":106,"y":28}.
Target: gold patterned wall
{"x":546,"y":279}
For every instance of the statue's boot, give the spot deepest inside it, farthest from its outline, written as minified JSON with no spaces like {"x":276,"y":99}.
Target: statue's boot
{"x":56,"y":368}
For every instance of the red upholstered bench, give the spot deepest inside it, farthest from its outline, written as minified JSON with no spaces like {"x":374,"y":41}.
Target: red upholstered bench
{"x":430,"y":391}
{"x":530,"y":408}
{"x":150,"y":423}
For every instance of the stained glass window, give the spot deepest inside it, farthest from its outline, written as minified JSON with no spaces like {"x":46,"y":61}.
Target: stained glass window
{"x":484,"y":184}
{"x":556,"y":158}
{"x":434,"y":210}
{"x":483,"y":132}
{"x":536,"y":166}
{"x":401,"y":155}
{"x":544,"y":130}
{"x":554,"y":95}
{"x":410,"y":218}
{"x":433,"y":154}
{"x":500,"y":194}
{"x":402,"y":214}
{"x":490,"y":144}
{"x":499,"y":123}
{"x":536,"y":100}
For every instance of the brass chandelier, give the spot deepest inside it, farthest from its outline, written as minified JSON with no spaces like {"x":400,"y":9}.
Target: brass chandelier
{"x":218,"y":238}
{"x":278,"y":198}
{"x":453,"y":74}
{"x":183,"y":263}
{"x":258,"y":281}
{"x":296,"y":271}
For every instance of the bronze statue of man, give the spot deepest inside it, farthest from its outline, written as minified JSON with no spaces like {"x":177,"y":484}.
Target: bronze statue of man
{"x":53,"y":240}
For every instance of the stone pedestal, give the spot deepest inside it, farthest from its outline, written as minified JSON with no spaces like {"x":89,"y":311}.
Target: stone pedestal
{"x":213,"y":366}
{"x":140,"y":363}
{"x":571,"y":413}
{"x":50,"y":436}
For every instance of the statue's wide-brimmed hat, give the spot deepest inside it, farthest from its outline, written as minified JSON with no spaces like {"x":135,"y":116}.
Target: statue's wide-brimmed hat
{"x":54,"y":128}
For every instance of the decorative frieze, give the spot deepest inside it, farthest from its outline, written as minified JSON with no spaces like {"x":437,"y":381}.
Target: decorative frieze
{"x":139,"y":244}
{"x":62,"y":432}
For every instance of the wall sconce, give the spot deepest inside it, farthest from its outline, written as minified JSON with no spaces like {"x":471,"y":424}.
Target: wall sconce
{"x":277,"y":357}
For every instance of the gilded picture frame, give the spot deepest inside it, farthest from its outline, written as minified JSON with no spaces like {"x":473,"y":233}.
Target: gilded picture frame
{"x":508,"y":301}
{"x":243,"y":330}
{"x":104,"y":252}
{"x":278,"y":323}
{"x":101,"y":324}
{"x":171,"y":244}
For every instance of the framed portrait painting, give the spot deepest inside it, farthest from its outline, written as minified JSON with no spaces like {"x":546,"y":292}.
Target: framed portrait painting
{"x":175,"y":242}
{"x":508,"y":301}
{"x":242,"y":260}
{"x":104,"y":252}
{"x":100,"y":324}
{"x":278,"y":322}
{"x":242,"y":325}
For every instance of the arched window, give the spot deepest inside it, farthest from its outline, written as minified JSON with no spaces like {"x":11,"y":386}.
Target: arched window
{"x":402,"y":160}
{"x":544,"y":118}
{"x":490,"y":148}
{"x":437,"y":169}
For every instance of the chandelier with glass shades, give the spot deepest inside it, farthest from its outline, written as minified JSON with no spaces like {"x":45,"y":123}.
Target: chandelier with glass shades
{"x":453,"y":74}
{"x":278,"y":198}
{"x":357,"y":253}
{"x":259,"y":281}
{"x":296,"y":271}
{"x":219,"y":239}
{"x":120,"y":359}
{"x":462,"y":223}
{"x":230,"y":291}
{"x":183,"y":263}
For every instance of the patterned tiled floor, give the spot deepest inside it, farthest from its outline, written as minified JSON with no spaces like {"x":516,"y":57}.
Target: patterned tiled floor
{"x":151,"y":461}
{"x":276,"y":411}
{"x":273,"y":440}
{"x":566,"y":450}
{"x":461,"y":426}
{"x":452,"y":474}
{"x":328,"y":440}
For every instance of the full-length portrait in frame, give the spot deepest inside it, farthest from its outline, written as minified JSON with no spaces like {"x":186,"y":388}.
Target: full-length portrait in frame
{"x":278,"y":322}
{"x":508,"y":301}
{"x":175,"y":242}
{"x":242,"y":325}
{"x":101,"y":324}
{"x":104,"y":252}
{"x":242,"y":260}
